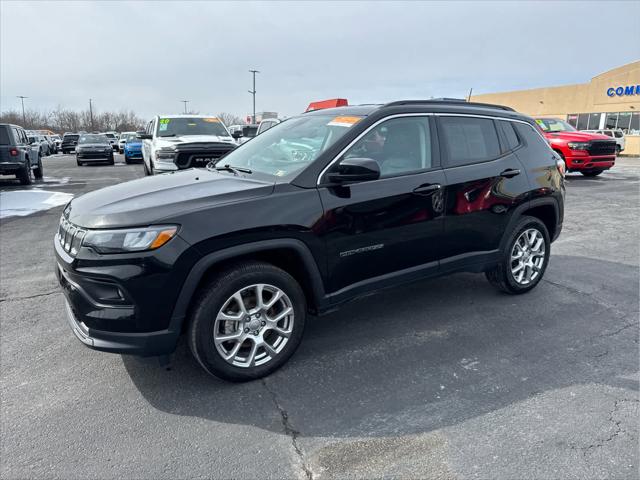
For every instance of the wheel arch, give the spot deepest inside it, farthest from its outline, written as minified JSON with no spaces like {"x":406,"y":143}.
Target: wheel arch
{"x":291,"y":255}
{"x":544,"y":209}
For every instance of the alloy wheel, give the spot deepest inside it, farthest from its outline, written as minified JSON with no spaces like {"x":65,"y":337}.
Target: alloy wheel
{"x":527,"y":256}
{"x":254,"y":325}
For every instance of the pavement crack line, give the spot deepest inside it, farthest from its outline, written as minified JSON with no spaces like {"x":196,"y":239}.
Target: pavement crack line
{"x":28,"y":297}
{"x":618,"y":430}
{"x":289,"y":431}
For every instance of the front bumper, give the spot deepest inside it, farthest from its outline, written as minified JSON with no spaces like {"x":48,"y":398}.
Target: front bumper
{"x":96,"y":156}
{"x":587,"y":162}
{"x":121,"y":306}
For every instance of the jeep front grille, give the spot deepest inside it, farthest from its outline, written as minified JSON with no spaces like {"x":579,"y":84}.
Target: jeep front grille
{"x":70,"y":236}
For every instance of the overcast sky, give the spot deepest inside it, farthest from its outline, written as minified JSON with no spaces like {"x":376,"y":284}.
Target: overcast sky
{"x":147,"y":56}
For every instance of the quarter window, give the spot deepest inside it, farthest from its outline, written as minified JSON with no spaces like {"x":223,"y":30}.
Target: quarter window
{"x":469,"y":140}
{"x":399,"y":145}
{"x":510,"y":135}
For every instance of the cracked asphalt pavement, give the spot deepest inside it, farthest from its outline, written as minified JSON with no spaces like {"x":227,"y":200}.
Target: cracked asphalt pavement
{"x":445,"y":378}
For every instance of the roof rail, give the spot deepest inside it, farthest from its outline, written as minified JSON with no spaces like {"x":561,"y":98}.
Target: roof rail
{"x":445,"y":101}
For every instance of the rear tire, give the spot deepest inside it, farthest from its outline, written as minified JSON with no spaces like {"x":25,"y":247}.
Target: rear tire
{"x":261,"y":340}
{"x":506,"y":275}
{"x":25,"y":175}
{"x":592,"y":173}
{"x":38,"y":172}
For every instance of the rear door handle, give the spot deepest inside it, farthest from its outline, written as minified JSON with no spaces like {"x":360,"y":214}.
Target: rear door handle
{"x":510,"y":172}
{"x":426,"y":189}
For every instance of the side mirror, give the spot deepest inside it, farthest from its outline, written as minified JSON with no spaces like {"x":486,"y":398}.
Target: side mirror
{"x":237,"y":134}
{"x":145,"y":136}
{"x":351,"y":170}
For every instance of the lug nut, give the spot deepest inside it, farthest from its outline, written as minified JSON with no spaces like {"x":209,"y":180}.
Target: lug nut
{"x":246,"y":330}
{"x":263,"y":323}
{"x":255,"y":332}
{"x":258,"y":315}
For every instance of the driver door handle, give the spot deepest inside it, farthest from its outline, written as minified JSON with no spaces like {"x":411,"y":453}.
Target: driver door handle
{"x":427,"y":188}
{"x":510,"y":172}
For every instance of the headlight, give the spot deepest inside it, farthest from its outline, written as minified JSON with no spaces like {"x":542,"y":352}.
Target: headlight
{"x":129,"y":240}
{"x":578,"y":145}
{"x":166,"y":153}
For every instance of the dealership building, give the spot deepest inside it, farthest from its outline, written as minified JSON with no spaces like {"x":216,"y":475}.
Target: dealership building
{"x":610,"y":100}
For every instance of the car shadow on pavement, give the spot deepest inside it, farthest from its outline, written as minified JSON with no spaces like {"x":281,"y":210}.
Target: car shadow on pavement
{"x":424,"y":356}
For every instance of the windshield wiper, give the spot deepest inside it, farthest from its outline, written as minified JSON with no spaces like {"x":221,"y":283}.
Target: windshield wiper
{"x":168,"y":135}
{"x":231,"y":169}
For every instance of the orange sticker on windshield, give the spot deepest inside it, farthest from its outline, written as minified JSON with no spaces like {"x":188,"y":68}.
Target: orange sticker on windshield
{"x":211,"y":120}
{"x":344,"y":121}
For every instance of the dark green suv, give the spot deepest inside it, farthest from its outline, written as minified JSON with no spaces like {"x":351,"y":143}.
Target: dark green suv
{"x":16,"y":155}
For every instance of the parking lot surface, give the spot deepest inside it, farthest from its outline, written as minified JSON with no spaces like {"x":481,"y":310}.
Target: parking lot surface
{"x":445,"y":378}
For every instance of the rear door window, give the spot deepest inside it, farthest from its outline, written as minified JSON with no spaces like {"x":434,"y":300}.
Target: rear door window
{"x":4,"y":136}
{"x":469,"y":140}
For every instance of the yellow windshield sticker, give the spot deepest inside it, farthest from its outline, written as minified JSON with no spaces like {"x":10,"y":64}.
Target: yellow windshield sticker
{"x":211,"y":120}
{"x":164,"y":123}
{"x":344,"y":121}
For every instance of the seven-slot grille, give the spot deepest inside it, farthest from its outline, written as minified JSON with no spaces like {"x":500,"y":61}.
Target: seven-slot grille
{"x":602,"y":147}
{"x":70,"y":236}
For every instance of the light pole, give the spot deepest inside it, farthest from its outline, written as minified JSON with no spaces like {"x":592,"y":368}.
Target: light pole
{"x":253,"y":92}
{"x":24,"y":121}
{"x":185,"y":105}
{"x":91,"y":114}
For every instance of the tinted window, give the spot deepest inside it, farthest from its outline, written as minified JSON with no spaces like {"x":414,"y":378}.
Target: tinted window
{"x":624,"y":121}
{"x":537,"y":147}
{"x":17,"y":137}
{"x":4,"y":136}
{"x":169,"y":127}
{"x":400,"y":145}
{"x":611,"y":120}
{"x":510,"y":135}
{"x":572,"y":119}
{"x":634,"y":129}
{"x":100,"y":139}
{"x":469,"y":140}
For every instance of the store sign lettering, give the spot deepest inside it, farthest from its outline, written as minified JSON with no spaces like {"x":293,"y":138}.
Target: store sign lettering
{"x":623,"y":91}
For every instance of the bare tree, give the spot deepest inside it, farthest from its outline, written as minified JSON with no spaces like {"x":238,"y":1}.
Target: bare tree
{"x":62,"y":120}
{"x":230,"y":119}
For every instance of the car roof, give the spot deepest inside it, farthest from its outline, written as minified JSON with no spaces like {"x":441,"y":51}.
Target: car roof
{"x":431,"y":105}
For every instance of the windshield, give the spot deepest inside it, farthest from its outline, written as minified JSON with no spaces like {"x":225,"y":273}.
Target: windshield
{"x":71,"y":137}
{"x":249,"y":131}
{"x":129,"y":137}
{"x":291,"y":145}
{"x":554,"y":125}
{"x":169,"y":127}
{"x":93,"y":139}
{"x":110,"y":135}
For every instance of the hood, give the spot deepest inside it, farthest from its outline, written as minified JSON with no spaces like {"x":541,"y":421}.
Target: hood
{"x":575,"y":136}
{"x":169,"y":141}
{"x":133,"y":144}
{"x":153,"y":200}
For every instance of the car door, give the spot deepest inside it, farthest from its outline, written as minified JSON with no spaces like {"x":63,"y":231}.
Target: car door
{"x":147,"y":143}
{"x":485,"y":182}
{"x":379,"y":229}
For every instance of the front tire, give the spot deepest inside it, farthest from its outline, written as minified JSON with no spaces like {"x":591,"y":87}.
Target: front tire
{"x":524,"y":258}
{"x":592,"y":173}
{"x":247,"y":321}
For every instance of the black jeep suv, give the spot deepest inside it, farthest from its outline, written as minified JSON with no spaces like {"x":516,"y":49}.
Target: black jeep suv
{"x":322,"y":208}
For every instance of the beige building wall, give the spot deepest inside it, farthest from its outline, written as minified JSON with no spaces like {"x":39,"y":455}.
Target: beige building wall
{"x":579,"y":98}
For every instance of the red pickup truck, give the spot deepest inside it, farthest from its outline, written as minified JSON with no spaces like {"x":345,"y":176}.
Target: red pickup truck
{"x":587,"y":153}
